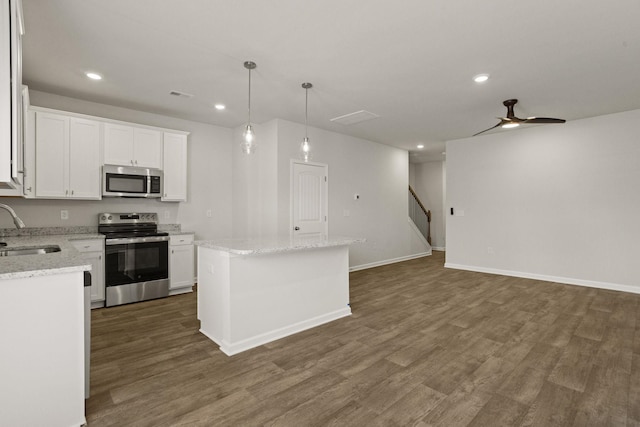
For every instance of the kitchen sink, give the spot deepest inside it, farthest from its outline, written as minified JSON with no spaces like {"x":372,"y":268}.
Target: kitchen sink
{"x":32,"y":250}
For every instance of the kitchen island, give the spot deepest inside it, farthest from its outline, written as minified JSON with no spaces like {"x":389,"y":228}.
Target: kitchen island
{"x":43,"y":364}
{"x":254,"y":291}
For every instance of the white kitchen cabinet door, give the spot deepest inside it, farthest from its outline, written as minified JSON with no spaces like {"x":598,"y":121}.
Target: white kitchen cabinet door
{"x":84,"y":159}
{"x":67,"y":157}
{"x":175,"y":167}
{"x":147,"y":148}
{"x":52,"y":155}
{"x":93,"y":251}
{"x":118,"y":144}
{"x":97,"y":277}
{"x":181,"y":267}
{"x":132,"y":146}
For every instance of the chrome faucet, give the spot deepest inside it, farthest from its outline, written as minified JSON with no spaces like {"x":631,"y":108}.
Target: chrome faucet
{"x":17,"y":221}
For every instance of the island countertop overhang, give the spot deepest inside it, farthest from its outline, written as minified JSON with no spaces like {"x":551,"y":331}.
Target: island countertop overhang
{"x":276,"y":244}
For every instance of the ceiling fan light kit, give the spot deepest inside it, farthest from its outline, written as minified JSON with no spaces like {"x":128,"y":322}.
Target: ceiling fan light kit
{"x":511,"y":121}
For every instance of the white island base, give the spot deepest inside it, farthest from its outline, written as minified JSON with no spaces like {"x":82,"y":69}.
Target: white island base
{"x":247,"y":298}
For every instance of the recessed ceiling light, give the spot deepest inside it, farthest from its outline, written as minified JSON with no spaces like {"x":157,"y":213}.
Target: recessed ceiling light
{"x":481,"y":78}
{"x":220,"y":106}
{"x":421,"y":146}
{"x":93,"y":76}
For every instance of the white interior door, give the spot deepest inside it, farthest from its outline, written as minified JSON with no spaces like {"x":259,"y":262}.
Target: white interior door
{"x":309,"y":199}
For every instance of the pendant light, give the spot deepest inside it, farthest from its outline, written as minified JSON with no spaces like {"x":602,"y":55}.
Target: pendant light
{"x":248,"y":136}
{"x":305,"y":148}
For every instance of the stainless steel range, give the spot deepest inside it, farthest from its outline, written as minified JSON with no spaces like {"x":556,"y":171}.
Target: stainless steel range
{"x":136,"y":257}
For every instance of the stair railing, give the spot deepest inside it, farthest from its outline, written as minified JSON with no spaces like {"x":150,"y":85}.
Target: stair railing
{"x":420,"y":216}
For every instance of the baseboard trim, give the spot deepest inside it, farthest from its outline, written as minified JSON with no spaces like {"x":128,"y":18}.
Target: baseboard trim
{"x":388,"y":261}
{"x":231,"y":349}
{"x":439,"y":248}
{"x":548,"y":278}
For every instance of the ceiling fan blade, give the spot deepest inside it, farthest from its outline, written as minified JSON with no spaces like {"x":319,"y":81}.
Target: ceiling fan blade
{"x":543,"y":120}
{"x":486,"y":130}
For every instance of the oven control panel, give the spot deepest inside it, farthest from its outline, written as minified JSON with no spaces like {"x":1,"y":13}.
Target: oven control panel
{"x":128,"y":218}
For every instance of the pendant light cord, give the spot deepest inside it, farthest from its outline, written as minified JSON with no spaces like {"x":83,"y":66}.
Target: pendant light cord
{"x":249,"y":102}
{"x":306,"y":106}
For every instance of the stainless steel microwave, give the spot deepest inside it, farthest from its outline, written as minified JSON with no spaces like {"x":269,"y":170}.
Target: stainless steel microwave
{"x":126,"y":181}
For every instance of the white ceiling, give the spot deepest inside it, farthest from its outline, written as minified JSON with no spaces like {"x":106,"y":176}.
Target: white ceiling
{"x":409,"y":61}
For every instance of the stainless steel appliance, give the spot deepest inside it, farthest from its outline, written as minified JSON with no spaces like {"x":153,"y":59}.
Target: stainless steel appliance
{"x":136,"y":257}
{"x":125,"y":181}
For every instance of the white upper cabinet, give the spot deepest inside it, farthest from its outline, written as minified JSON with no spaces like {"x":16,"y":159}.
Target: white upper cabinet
{"x":64,"y":154}
{"x":147,"y":148}
{"x":11,"y":138}
{"x":84,"y":159}
{"x":118,"y":144}
{"x":67,"y":157}
{"x":131,"y":146}
{"x":175,"y":167}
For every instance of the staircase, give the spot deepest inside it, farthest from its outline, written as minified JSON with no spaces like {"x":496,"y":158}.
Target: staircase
{"x":420,"y":216}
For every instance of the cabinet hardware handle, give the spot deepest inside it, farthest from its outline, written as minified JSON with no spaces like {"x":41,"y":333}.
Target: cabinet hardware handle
{"x":66,"y":192}
{"x":172,"y":251}
{"x":29,"y":189}
{"x":100,"y":257}
{"x":72,"y":192}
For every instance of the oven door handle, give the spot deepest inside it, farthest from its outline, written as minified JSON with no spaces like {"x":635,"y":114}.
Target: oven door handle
{"x":124,"y":241}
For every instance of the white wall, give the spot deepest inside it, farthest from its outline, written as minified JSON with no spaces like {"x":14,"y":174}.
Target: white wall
{"x":428,"y":183}
{"x":378,"y":173}
{"x":557,"y":202}
{"x":255,"y":184}
{"x":209,"y":152}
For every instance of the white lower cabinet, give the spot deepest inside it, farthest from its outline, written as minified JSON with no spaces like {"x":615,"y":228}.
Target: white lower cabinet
{"x":93,"y":251}
{"x":181,"y":267}
{"x":42,"y":369}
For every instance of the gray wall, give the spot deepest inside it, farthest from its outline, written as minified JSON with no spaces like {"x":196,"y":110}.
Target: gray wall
{"x":556,"y":202}
{"x":379,"y":173}
{"x":428,"y":181}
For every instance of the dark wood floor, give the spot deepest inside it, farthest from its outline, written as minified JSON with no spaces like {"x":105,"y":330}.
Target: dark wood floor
{"x":425,"y":346}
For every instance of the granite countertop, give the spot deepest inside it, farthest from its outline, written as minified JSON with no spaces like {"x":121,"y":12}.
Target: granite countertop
{"x":275,"y":244}
{"x":66,"y":261}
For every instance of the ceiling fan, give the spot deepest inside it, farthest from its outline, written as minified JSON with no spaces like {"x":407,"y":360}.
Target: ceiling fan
{"x":512,"y":121}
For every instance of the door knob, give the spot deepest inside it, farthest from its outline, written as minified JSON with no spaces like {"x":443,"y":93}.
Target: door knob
{"x":296,"y":228}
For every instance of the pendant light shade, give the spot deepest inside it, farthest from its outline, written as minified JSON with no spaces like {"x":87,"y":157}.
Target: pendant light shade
{"x":305,"y":147}
{"x":248,"y":136}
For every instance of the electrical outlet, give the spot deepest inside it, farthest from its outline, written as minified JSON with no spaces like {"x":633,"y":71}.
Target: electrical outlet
{"x":209,"y":213}
{"x":490,"y":250}
{"x":167,"y":215}
{"x":64,"y":214}
{"x":346,"y":212}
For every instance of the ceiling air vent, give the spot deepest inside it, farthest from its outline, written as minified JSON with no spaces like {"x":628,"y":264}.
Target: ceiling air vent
{"x":353,"y":118}
{"x":180,"y":94}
